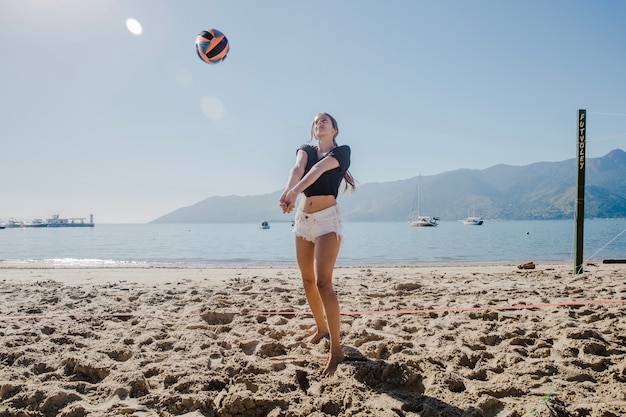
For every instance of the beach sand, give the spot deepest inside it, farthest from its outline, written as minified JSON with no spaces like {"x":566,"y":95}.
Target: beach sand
{"x":483,"y":340}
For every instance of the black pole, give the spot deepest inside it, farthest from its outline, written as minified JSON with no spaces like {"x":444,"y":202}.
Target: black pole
{"x":579,"y":213}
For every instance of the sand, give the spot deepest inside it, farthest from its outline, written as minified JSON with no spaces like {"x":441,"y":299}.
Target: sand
{"x":483,"y":340}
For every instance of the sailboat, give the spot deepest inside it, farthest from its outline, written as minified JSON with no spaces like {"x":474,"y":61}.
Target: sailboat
{"x":473,"y":220}
{"x":417,"y":220}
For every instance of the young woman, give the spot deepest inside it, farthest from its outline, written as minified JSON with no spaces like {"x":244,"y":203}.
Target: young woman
{"x":317,"y":174}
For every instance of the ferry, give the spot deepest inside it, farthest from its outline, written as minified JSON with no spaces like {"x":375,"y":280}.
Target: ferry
{"x":56,"y":221}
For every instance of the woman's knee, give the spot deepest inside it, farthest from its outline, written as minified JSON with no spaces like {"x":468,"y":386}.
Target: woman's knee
{"x":309,"y":284}
{"x":325,"y":286}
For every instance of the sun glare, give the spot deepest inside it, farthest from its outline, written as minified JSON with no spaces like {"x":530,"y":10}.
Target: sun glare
{"x":212,"y":107}
{"x":134,"y":26}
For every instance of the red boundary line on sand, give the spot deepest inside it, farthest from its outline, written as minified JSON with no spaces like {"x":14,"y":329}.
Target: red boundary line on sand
{"x":453,"y":310}
{"x":128,"y":316}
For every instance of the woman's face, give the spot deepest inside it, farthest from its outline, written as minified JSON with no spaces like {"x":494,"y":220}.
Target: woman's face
{"x":323,"y":126}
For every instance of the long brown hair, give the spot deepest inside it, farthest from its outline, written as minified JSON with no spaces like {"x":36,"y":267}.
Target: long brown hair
{"x":348,"y":178}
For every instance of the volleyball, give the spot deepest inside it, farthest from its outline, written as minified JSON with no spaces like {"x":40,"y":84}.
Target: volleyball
{"x":212,"y":46}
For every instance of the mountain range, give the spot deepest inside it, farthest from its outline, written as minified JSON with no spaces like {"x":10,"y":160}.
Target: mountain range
{"x":542,"y":190}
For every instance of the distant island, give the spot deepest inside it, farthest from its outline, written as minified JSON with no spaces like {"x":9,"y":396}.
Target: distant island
{"x":542,"y":190}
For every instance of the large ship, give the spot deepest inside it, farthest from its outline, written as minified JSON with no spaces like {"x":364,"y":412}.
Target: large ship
{"x":56,"y":221}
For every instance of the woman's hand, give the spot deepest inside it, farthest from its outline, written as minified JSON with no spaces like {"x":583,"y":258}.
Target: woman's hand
{"x":288,"y":201}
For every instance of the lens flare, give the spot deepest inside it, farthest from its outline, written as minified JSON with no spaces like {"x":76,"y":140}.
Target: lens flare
{"x":134,"y":26}
{"x":212,"y":107}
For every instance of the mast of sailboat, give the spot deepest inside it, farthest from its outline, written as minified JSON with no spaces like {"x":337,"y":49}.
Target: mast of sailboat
{"x":416,"y":201}
{"x":419,"y":194}
{"x":579,"y":211}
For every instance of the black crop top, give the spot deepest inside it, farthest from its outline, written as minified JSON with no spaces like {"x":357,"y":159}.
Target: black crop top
{"x":328,"y":183}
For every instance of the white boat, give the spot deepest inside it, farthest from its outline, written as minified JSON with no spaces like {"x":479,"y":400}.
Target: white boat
{"x":37,"y":223}
{"x":473,"y":221}
{"x":54,"y":221}
{"x":424,"y":221}
{"x":12,"y":223}
{"x":57,"y":221}
{"x":418,"y":220}
{"x":264,"y":225}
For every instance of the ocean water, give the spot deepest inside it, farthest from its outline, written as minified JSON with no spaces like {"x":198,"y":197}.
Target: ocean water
{"x":381,"y":243}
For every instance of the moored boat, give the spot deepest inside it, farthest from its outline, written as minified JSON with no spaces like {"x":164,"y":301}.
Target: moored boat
{"x":473,"y":221}
{"x":37,"y":223}
{"x":424,"y":221}
{"x":418,"y":220}
{"x":54,"y":221}
{"x":12,"y":223}
{"x":57,"y":221}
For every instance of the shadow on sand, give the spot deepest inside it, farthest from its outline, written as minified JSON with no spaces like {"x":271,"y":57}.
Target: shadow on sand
{"x":404,"y":384}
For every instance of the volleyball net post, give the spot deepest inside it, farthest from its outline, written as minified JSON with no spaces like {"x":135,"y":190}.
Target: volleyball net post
{"x":579,"y":209}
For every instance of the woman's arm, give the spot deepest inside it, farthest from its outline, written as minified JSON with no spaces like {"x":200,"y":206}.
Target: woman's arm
{"x":288,"y":199}
{"x":295,"y":175}
{"x":326,"y":164}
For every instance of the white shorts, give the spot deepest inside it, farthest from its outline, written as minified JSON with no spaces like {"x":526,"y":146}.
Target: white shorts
{"x":310,"y":226}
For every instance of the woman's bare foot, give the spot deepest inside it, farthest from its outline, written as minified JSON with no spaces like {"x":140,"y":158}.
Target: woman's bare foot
{"x":331,"y":365}
{"x":316,"y":337}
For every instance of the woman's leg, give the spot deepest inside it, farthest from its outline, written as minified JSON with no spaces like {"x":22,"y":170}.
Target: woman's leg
{"x":305,"y":252}
{"x":326,"y":250}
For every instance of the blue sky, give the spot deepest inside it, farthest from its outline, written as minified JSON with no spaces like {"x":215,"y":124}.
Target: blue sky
{"x":95,"y":119}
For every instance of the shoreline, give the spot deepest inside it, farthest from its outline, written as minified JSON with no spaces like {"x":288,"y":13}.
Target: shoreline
{"x":105,"y":264}
{"x":162,"y":272}
{"x":216,"y":274}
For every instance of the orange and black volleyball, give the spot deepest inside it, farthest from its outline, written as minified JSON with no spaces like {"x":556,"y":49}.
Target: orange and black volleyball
{"x":212,"y":46}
